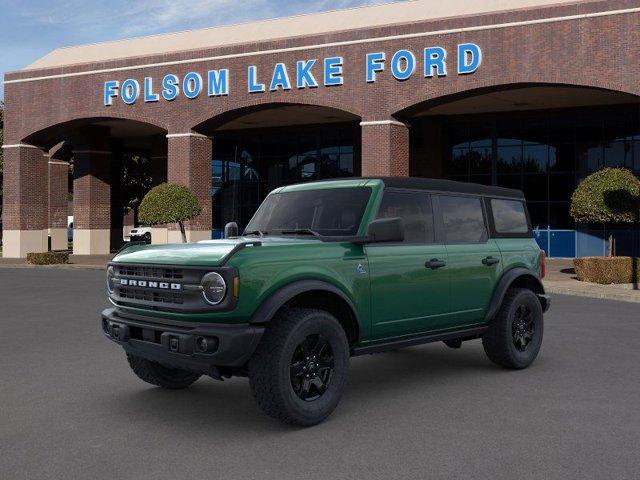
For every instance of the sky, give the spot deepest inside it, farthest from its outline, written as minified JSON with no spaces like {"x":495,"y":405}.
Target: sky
{"x":30,"y":29}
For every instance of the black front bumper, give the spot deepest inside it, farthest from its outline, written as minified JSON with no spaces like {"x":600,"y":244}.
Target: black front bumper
{"x":180,"y":346}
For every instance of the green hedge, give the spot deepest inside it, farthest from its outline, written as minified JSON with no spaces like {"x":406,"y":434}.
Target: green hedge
{"x":609,"y":195}
{"x":607,"y":270}
{"x":48,"y":258}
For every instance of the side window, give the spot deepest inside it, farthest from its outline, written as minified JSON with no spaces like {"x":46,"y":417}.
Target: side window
{"x":509,"y":216}
{"x":463,"y":219}
{"x":415,"y":211}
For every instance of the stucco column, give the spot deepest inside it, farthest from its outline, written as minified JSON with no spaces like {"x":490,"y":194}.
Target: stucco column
{"x":159,"y":233}
{"x":25,"y":200}
{"x":385,"y":148}
{"x":58,"y":189}
{"x":92,"y":192}
{"x":189,"y":164}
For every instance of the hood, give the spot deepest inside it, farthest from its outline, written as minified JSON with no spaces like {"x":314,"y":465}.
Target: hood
{"x":205,"y":253}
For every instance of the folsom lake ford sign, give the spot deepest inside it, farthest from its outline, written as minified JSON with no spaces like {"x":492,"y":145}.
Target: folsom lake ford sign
{"x":309,"y":73}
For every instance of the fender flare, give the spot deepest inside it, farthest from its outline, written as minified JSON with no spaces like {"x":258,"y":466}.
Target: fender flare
{"x":277,"y":299}
{"x":507,"y":279}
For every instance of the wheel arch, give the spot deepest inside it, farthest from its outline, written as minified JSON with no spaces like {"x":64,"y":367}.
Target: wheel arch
{"x":516,"y":277}
{"x":312,"y":294}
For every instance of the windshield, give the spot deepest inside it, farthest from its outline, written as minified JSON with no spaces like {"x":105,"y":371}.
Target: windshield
{"x":328,"y":212}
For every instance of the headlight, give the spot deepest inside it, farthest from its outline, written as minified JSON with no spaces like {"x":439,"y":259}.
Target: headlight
{"x":111,"y":273}
{"x":214,"y":288}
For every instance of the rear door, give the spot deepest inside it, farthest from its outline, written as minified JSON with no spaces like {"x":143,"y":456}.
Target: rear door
{"x":474,"y":260}
{"x":409,"y":280}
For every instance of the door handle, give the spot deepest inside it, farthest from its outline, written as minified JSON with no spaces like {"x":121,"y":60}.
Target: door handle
{"x":434,"y":263}
{"x":488,"y":261}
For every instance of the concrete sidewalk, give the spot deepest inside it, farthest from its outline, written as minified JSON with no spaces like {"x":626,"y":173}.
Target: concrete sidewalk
{"x":561,"y":279}
{"x":92,"y":262}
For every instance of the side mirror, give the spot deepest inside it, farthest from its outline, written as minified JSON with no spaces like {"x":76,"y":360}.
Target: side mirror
{"x":231,"y":230}
{"x":386,"y":230}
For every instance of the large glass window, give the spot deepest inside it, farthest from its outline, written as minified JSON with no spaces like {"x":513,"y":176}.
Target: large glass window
{"x":248,"y":164}
{"x":545,"y":154}
{"x":415,"y":211}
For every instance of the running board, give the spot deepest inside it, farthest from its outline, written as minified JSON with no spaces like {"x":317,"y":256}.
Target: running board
{"x":409,"y":342}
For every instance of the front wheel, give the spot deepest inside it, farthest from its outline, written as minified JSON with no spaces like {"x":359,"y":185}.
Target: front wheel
{"x":299,"y":369}
{"x":514,"y":337}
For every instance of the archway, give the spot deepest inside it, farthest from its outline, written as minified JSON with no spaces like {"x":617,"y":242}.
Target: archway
{"x":539,"y":138}
{"x":113,"y":162}
{"x":259,"y":148}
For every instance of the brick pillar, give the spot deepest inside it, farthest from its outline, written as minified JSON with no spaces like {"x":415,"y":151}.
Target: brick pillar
{"x":159,"y":233}
{"x":385,"y":148}
{"x":158,"y":160}
{"x":92,"y":192}
{"x":24,"y":201}
{"x":58,"y":190}
{"x":189,"y":164}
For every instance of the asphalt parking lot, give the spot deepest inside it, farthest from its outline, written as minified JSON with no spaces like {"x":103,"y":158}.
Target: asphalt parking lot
{"x":71,"y":408}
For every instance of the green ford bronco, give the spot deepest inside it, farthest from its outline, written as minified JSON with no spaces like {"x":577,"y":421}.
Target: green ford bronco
{"x":329,"y":270}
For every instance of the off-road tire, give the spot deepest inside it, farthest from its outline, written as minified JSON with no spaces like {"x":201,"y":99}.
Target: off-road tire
{"x":270,"y":366}
{"x":161,"y":376}
{"x":498,"y":341}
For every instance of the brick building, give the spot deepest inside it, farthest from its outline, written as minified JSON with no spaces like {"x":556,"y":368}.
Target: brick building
{"x":532,"y":94}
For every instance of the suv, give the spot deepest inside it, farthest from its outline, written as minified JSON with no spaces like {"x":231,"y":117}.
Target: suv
{"x":329,"y":270}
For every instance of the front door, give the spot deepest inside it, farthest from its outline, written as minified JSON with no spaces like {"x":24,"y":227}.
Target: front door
{"x":409,"y":280}
{"x":474,"y":260}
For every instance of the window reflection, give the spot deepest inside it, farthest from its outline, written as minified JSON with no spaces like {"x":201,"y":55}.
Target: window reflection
{"x":544,"y":154}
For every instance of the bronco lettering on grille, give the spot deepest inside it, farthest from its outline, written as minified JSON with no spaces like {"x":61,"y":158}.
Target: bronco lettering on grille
{"x":149,"y":284}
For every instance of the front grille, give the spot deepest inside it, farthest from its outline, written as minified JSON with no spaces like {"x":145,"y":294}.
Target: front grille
{"x":149,"y":295}
{"x":145,"y":271}
{"x":166,"y":288}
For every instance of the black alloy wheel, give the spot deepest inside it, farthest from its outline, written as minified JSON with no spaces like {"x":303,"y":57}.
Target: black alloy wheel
{"x":311,"y":368}
{"x":522,"y":327}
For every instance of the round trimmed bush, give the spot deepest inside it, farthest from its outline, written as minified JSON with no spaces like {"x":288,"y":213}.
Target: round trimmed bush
{"x":169,"y":203}
{"x":609,"y":195}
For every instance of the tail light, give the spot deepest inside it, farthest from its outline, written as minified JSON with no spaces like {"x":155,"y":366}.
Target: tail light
{"x":543,"y":264}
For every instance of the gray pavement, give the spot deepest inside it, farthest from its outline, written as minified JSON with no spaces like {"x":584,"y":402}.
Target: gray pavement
{"x":70,"y":407}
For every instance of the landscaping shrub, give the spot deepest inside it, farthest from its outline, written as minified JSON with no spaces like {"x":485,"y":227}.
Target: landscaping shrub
{"x":607,"y":270}
{"x":169,"y":203}
{"x":48,"y":258}
{"x":610,"y":196}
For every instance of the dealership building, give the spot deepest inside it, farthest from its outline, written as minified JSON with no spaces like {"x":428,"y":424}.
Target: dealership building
{"x":527,"y":94}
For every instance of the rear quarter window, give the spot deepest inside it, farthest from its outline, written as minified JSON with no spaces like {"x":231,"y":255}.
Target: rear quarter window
{"x":509,"y":216}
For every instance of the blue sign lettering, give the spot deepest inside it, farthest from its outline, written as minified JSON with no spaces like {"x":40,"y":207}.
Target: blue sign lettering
{"x":333,"y":71}
{"x":280,"y":78}
{"x":375,"y":63}
{"x":170,"y":87}
{"x":469,"y":58}
{"x":216,"y":83}
{"x":304,"y":77}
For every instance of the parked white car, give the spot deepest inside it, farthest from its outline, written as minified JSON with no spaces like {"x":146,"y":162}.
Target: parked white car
{"x":140,"y":234}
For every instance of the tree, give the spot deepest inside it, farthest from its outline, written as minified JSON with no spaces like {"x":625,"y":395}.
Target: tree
{"x":609,"y":196}
{"x":169,"y":203}
{"x":136,"y":182}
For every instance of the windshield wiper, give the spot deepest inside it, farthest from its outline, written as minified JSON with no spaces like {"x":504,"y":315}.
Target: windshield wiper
{"x":300,"y":231}
{"x":254,"y":232}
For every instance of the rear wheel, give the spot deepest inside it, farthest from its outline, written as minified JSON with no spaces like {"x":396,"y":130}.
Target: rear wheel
{"x":160,"y":375}
{"x":514,"y":337}
{"x":299,"y":370}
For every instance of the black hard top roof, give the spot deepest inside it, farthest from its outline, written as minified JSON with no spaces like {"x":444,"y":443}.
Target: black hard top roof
{"x":449,"y":186}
